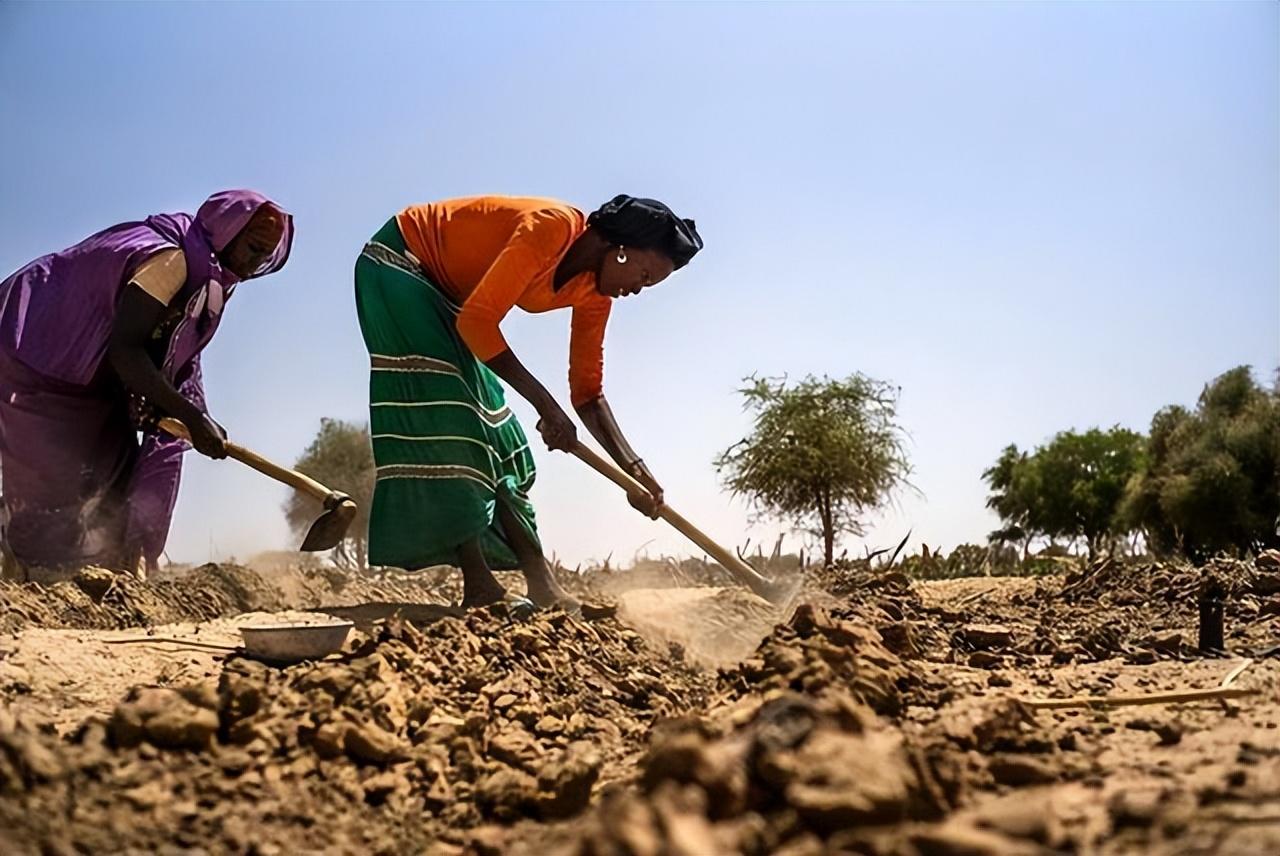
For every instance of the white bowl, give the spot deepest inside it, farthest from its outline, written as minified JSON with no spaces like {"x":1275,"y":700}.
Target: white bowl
{"x":293,"y":642}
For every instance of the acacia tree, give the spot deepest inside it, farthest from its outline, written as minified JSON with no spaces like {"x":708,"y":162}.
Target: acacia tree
{"x":821,"y":452}
{"x":341,"y":458}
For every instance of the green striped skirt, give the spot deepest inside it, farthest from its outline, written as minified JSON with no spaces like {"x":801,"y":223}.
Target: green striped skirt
{"x":446,"y":446}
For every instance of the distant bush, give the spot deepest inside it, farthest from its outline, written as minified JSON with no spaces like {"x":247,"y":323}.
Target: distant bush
{"x":1204,"y":481}
{"x":1069,"y":489}
{"x":1211,"y":481}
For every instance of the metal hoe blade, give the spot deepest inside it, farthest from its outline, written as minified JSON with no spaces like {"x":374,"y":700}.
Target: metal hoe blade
{"x":331,"y":527}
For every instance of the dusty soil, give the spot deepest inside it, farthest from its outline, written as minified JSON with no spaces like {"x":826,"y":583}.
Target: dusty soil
{"x":875,"y":715}
{"x":712,"y":625}
{"x":97,"y":599}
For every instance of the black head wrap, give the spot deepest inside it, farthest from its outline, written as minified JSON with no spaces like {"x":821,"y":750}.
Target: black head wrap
{"x":647,"y":224}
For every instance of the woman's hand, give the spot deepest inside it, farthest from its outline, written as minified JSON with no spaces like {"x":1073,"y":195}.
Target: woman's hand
{"x":208,"y":437}
{"x":557,"y":429}
{"x":644,"y":503}
{"x":649,"y":503}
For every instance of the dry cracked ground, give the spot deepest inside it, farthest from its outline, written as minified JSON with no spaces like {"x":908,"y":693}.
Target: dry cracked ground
{"x":873,"y":715}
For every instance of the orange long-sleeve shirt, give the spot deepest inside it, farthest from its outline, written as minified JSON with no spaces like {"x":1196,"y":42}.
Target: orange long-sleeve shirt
{"x":491,"y":253}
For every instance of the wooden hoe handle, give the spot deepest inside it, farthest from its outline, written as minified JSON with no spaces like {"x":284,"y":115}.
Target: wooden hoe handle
{"x":292,"y":478}
{"x":744,"y":573}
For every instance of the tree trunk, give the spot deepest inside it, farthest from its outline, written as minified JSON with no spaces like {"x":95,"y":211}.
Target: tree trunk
{"x":828,"y":529}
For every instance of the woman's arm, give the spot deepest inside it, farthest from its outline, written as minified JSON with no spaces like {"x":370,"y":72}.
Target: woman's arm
{"x":600,"y":421}
{"x":137,"y":316}
{"x":586,"y":383}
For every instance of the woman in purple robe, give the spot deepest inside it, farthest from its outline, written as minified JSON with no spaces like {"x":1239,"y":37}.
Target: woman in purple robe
{"x":96,"y":340}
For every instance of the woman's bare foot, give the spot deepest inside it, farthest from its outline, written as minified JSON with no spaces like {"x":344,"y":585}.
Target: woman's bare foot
{"x":519,"y":606}
{"x":563,"y":601}
{"x":547,"y":593}
{"x":482,"y":595}
{"x":479,"y":586}
{"x":487,"y":598}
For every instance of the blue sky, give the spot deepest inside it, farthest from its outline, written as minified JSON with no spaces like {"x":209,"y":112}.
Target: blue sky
{"x":1031,"y":217}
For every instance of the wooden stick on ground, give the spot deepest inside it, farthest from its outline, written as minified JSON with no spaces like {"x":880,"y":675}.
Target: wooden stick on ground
{"x":171,"y":640}
{"x":1237,"y":671}
{"x":1223,"y":691}
{"x":1126,"y":701}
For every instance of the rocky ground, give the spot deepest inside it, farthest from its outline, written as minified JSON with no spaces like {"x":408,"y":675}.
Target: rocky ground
{"x":873,"y":715}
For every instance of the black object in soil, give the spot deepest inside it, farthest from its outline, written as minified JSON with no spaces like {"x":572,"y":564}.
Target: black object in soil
{"x":1211,"y":618}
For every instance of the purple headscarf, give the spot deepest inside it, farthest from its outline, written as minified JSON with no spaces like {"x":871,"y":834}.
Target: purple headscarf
{"x":224,"y":214}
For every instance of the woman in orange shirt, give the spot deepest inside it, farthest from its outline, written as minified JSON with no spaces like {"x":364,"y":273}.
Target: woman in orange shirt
{"x":432,"y":287}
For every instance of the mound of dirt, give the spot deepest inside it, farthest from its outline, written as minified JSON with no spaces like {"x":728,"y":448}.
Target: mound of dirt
{"x":808,"y":750}
{"x":412,"y":735}
{"x":800,"y":775}
{"x":813,"y":652}
{"x":98,"y":599}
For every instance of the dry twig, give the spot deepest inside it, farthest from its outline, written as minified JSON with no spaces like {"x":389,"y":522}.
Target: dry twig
{"x":1224,"y":691}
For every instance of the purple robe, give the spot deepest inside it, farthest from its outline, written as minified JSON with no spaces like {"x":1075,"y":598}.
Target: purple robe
{"x":77,"y":486}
